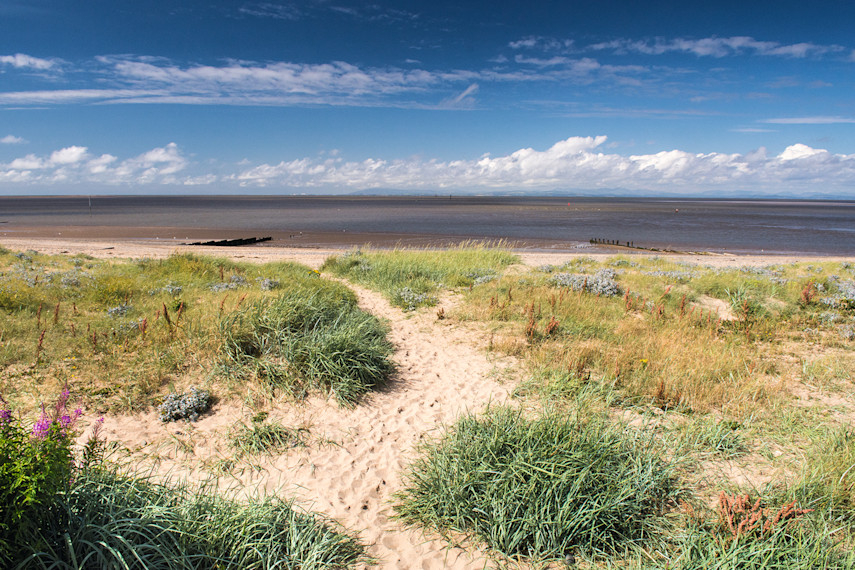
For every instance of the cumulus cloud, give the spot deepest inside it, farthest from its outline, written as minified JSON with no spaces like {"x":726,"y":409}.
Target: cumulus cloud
{"x":574,"y":163}
{"x":12,"y":139}
{"x":76,"y":165}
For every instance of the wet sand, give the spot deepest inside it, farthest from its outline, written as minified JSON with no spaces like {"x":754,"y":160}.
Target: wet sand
{"x":313,"y":249}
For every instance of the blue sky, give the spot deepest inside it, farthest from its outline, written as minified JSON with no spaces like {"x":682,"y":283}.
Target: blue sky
{"x":329,"y":96}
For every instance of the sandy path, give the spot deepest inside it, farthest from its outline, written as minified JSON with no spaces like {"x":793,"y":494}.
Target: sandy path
{"x":354,"y":463}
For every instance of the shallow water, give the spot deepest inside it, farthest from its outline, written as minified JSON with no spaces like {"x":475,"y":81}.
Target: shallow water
{"x":749,"y":226}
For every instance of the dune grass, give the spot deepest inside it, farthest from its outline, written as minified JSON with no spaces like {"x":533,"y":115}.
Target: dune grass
{"x":540,"y":488}
{"x":712,"y":351}
{"x":411,"y":278}
{"x":307,"y":339}
{"x":67,"y":507}
{"x":265,"y":436}
{"x":120,"y":332}
{"x":682,"y":337}
{"x":110,"y":520}
{"x":706,"y":359}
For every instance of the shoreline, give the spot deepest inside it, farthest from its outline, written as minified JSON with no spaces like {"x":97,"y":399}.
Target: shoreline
{"x":312,"y":250}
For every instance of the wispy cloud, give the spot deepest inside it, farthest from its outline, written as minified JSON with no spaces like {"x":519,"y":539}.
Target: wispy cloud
{"x":270,"y":10}
{"x":717,"y":47}
{"x":752,"y":130}
{"x":810,"y":120}
{"x":23,"y":61}
{"x":464,"y":98}
{"x":67,"y":96}
{"x":143,"y":79}
{"x":366,"y":12}
{"x":12,"y":139}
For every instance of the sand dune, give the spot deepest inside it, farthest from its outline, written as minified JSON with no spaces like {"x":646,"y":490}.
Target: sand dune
{"x":355,"y":458}
{"x":354,"y":461}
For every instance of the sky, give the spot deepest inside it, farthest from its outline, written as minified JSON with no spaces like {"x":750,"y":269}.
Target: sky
{"x":339,"y":96}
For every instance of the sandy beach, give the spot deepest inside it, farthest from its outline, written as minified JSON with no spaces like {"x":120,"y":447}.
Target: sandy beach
{"x":353,"y":466}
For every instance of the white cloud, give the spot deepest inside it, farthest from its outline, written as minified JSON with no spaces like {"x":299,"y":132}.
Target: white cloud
{"x":12,"y":139}
{"x":582,"y":163}
{"x":29,"y":162}
{"x":717,"y":47}
{"x":23,"y":61}
{"x":800,"y":151}
{"x":75,"y":165}
{"x":69,"y":155}
{"x":810,"y":120}
{"x":543,"y":43}
{"x":574,"y":163}
{"x":150,"y":80}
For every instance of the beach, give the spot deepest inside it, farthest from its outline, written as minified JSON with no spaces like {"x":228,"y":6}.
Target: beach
{"x":442,"y":371}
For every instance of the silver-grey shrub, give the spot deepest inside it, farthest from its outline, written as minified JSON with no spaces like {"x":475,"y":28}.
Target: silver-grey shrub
{"x":600,"y":283}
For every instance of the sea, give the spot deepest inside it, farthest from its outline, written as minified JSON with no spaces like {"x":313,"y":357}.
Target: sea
{"x":549,"y":223}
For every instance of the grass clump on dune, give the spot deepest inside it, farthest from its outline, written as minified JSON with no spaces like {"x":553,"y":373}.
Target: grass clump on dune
{"x":308,"y":340}
{"x":410,"y":277}
{"x":541,"y":489}
{"x":66,"y":510}
{"x":108,"y":520}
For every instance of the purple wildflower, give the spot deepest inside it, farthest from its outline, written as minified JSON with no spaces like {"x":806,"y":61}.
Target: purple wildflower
{"x":42,"y":427}
{"x":66,"y":421}
{"x":5,"y":412}
{"x":62,"y":401}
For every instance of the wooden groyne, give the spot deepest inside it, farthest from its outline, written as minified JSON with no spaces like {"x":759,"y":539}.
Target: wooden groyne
{"x":232,"y":242}
{"x":631,"y":245}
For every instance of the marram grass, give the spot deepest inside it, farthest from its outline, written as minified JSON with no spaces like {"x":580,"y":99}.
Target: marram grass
{"x":410,"y":277}
{"x":120,"y":331}
{"x":540,"y":489}
{"x":307,"y":340}
{"x":111,"y":521}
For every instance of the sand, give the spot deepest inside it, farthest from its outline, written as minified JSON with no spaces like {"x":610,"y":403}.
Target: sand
{"x":354,"y":462}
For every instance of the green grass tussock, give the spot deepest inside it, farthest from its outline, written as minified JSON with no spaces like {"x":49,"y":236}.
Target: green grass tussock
{"x":305,"y":340}
{"x":541,"y":489}
{"x":409,"y":278}
{"x":108,"y":520}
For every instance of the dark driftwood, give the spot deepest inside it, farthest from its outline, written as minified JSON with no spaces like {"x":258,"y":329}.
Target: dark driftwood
{"x":232,"y":242}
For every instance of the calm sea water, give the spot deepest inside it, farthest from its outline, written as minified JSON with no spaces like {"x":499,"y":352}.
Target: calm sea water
{"x":770,"y":226}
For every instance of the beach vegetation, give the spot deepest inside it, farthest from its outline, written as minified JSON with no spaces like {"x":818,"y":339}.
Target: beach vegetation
{"x":68,"y":509}
{"x":411,"y":278}
{"x":307,"y":339}
{"x":262,"y":435}
{"x":541,"y":488}
{"x":124,"y":333}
